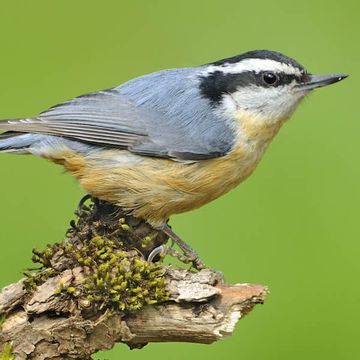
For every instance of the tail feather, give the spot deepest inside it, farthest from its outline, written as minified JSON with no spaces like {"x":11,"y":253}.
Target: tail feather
{"x":17,"y":140}
{"x":14,"y":142}
{"x":8,"y":134}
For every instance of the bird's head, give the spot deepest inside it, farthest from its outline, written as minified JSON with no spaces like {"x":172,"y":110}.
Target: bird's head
{"x":264,"y":84}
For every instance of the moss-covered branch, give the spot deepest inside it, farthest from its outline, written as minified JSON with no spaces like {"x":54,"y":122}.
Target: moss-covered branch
{"x":96,"y":288}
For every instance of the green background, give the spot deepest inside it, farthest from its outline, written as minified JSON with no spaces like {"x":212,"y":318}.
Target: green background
{"x":294,"y":225}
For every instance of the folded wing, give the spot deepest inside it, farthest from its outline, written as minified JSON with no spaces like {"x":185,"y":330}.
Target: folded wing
{"x":108,"y":118}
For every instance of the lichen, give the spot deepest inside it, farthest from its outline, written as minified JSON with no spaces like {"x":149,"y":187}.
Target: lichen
{"x":7,"y":352}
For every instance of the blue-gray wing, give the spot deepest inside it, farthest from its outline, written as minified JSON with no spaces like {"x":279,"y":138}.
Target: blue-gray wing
{"x":142,"y":116}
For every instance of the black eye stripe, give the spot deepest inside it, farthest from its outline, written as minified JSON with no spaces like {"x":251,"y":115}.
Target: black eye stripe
{"x":214,"y":85}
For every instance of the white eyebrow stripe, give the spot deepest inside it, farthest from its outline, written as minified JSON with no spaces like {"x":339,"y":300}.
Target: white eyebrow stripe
{"x":256,"y":65}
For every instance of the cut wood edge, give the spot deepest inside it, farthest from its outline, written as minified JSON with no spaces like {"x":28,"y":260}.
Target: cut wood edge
{"x":203,"y":323}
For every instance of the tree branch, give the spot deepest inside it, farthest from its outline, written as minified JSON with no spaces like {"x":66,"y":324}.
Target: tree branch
{"x":56,"y":312}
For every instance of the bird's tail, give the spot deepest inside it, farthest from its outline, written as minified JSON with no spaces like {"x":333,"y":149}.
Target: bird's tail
{"x":13,"y":141}
{"x":16,"y":142}
{"x":19,"y":138}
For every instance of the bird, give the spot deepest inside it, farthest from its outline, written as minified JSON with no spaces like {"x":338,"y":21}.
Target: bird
{"x":173,"y":140}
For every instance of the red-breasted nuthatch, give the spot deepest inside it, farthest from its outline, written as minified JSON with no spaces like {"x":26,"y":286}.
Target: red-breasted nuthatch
{"x":173,"y":140}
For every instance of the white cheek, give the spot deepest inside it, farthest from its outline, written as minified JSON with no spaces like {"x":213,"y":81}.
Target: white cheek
{"x":271,"y":103}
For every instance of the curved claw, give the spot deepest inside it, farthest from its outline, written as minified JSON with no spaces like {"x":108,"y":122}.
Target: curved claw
{"x":155,"y":252}
{"x":82,"y":202}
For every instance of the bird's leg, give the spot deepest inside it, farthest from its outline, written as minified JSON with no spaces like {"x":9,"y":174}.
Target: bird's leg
{"x":189,"y":253}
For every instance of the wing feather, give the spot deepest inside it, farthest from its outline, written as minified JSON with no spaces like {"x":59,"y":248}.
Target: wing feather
{"x":155,"y":115}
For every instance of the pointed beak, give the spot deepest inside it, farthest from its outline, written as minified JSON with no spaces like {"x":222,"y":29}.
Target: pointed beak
{"x":315,"y":81}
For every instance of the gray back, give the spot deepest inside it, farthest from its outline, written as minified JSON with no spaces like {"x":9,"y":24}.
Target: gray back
{"x":161,"y":114}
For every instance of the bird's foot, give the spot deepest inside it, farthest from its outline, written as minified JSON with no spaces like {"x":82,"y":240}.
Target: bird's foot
{"x":189,"y":255}
{"x":164,"y":250}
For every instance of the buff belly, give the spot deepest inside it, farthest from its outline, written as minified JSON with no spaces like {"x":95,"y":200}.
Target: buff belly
{"x":154,"y":189}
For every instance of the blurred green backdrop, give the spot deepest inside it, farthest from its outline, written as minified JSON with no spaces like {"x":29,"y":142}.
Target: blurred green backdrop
{"x":293,"y":225}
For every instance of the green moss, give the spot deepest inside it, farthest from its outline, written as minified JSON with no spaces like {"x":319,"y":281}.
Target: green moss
{"x":69,"y":290}
{"x":116,"y":279}
{"x":111,"y":255}
{"x":43,"y":256}
{"x":121,"y":280}
{"x":7,"y":353}
{"x":146,"y":241}
{"x":125,"y":227}
{"x":37,"y":277}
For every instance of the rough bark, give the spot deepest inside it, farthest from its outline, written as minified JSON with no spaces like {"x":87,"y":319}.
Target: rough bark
{"x":43,"y":322}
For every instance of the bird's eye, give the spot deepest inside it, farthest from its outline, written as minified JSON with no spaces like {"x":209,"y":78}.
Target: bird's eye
{"x":270,"y":78}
